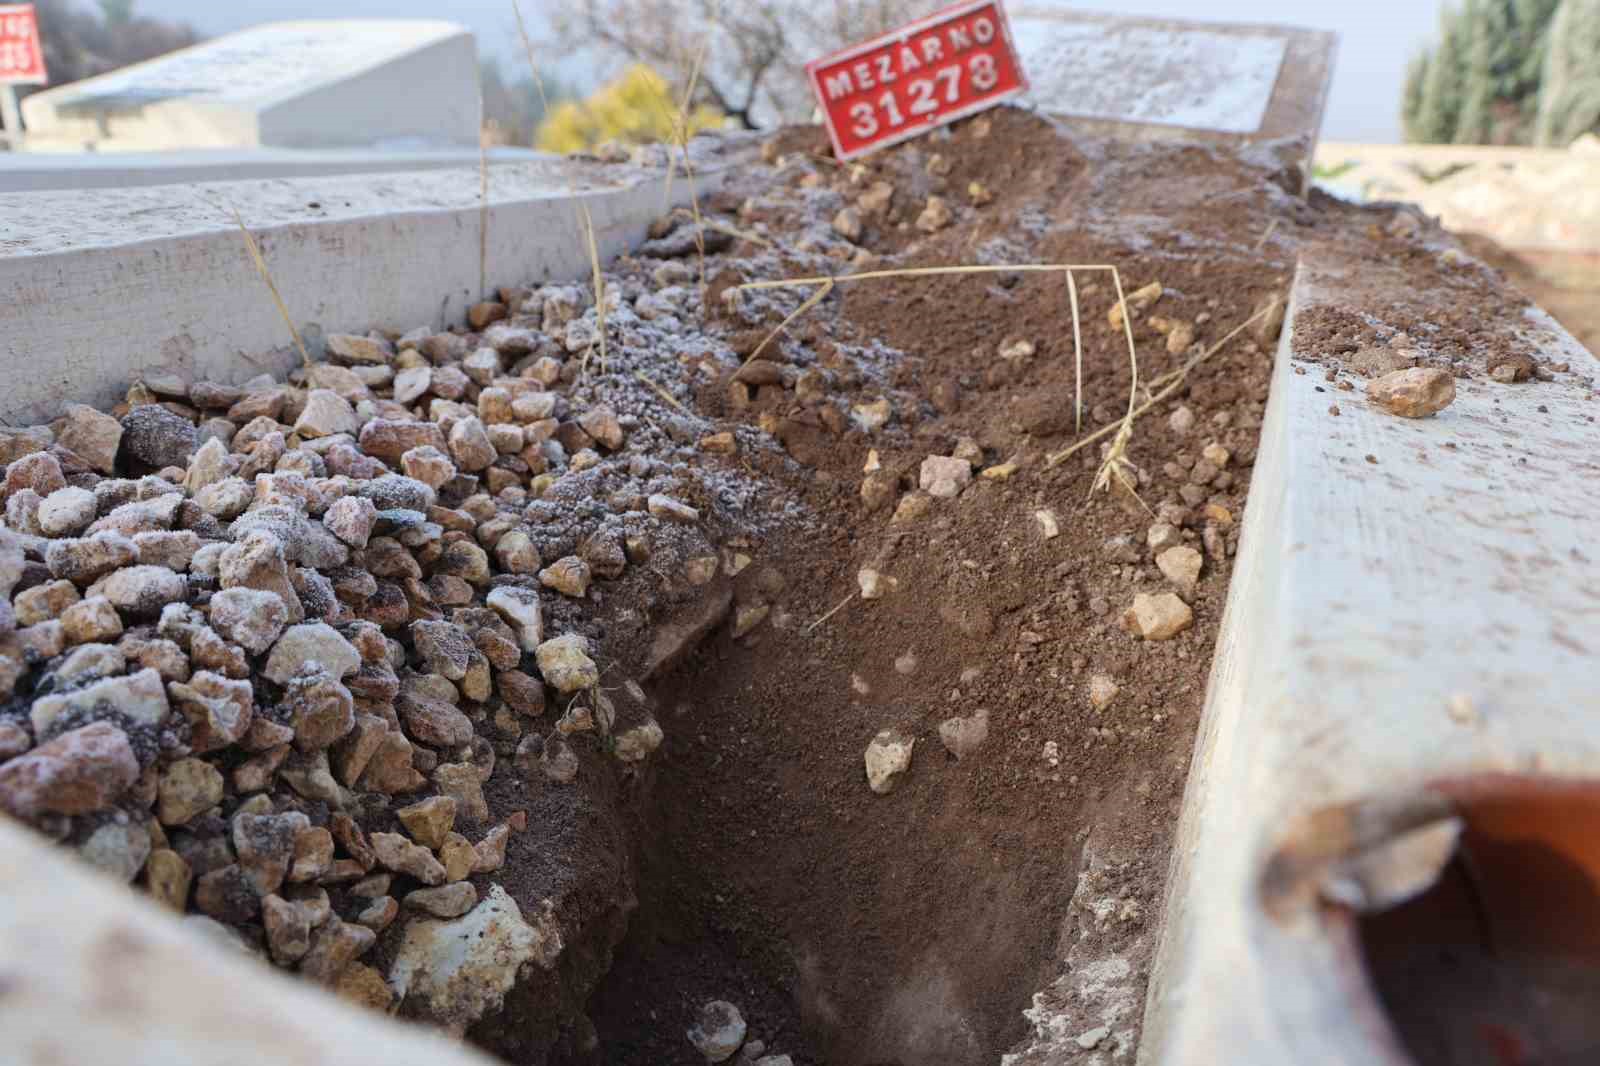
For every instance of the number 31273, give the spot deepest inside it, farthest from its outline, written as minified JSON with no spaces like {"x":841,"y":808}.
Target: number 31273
{"x":924,"y":94}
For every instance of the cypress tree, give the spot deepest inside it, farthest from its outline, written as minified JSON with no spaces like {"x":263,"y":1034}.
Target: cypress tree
{"x":1411,"y":96}
{"x":1569,"y":96}
{"x":1480,"y":83}
{"x":1442,"y":89}
{"x":1479,"y":88}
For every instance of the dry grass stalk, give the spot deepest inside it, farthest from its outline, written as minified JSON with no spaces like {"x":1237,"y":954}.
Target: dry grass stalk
{"x":1265,"y":237}
{"x":735,"y":231}
{"x":1077,"y":357}
{"x":810,"y":302}
{"x":599,"y":290}
{"x":483,"y":218}
{"x":533,"y":67}
{"x":830,"y":614}
{"x":681,"y":129}
{"x":659,"y":391}
{"x":1169,"y":384}
{"x":266,"y":276}
{"x":866,"y":276}
{"x":827,"y":283}
{"x":917,"y":272}
{"x":1116,"y":463}
{"x":730,"y":230}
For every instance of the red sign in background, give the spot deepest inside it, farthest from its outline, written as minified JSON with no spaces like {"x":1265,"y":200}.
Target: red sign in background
{"x":21,"y":58}
{"x":948,"y":65}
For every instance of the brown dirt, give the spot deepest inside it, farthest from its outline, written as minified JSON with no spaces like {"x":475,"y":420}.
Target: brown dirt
{"x":747,"y":859}
{"x":914,"y":927}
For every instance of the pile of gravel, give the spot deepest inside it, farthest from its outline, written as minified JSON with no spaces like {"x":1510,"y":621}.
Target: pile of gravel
{"x":262,"y":647}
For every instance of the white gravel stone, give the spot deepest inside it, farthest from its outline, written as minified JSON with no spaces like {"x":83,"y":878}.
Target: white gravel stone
{"x":144,"y":590}
{"x":1181,"y":565}
{"x":875,"y":585}
{"x":944,"y":477}
{"x":520,"y":608}
{"x":251,"y":618}
{"x":887,"y":757}
{"x":410,"y":384}
{"x":1159,"y":617}
{"x":351,"y":519}
{"x":312,"y":643}
{"x":963,"y":736}
{"x":636,"y":744}
{"x":66,"y":511}
{"x":141,"y":697}
{"x":719,"y":1031}
{"x":1163,"y":535}
{"x":1102,"y":690}
{"x":670,"y":509}
{"x":454,"y":972}
{"x":326,"y":413}
{"x":565,"y":664}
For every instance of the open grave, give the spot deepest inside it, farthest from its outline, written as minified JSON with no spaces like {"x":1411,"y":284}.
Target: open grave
{"x":553,"y":670}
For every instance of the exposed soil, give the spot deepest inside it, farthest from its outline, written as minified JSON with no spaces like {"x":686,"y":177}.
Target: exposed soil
{"x":1001,"y":902}
{"x":860,"y":929}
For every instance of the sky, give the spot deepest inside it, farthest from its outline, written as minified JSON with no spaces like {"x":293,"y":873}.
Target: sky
{"x":1376,"y":37}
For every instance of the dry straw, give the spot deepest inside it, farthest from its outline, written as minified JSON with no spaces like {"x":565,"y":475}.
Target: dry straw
{"x":1116,"y":464}
{"x":599,"y":290}
{"x":527,"y":45}
{"x":681,"y":135}
{"x":842,"y":605}
{"x":659,"y":391}
{"x":1168,"y":384}
{"x":483,"y":217}
{"x":266,"y":276}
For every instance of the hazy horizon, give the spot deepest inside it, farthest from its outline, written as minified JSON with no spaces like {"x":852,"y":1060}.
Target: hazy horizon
{"x":1376,"y":37}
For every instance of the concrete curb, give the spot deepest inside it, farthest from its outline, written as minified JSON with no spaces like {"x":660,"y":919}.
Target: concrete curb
{"x":118,"y":979}
{"x":100,"y":286}
{"x":1390,"y":629}
{"x":41,"y":171}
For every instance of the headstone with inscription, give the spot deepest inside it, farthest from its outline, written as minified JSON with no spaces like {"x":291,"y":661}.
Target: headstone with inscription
{"x":1162,"y":77}
{"x":341,"y":83}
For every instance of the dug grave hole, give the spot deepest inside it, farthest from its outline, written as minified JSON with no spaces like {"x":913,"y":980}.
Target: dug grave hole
{"x":462,"y":631}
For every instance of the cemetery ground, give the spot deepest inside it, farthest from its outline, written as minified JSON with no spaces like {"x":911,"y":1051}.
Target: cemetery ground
{"x":644,"y":659}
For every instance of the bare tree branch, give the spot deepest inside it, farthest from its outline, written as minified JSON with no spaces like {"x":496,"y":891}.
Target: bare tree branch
{"x":755,"y":68}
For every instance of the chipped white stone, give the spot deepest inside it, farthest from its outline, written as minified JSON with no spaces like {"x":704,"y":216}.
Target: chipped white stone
{"x":944,"y":477}
{"x":455,"y":972}
{"x":887,"y":758}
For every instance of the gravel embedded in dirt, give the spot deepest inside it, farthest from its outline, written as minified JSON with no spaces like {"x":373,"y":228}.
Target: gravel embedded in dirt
{"x":476,"y":620}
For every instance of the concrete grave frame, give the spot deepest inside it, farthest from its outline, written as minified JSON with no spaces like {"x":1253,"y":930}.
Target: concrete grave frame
{"x":1291,"y":119}
{"x":1400,"y":636}
{"x":119,"y":979}
{"x":321,"y":83}
{"x":100,"y":286}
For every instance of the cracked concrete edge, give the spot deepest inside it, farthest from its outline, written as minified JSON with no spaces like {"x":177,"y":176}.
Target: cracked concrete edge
{"x":47,"y":171}
{"x":96,"y":973}
{"x":1367,"y":603}
{"x":100,"y":286}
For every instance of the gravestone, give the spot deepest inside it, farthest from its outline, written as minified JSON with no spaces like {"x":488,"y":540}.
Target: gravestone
{"x":1145,"y":77}
{"x":341,"y":83}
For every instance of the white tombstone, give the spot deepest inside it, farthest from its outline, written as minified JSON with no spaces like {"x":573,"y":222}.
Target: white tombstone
{"x":314,"y":84}
{"x":1164,"y":77}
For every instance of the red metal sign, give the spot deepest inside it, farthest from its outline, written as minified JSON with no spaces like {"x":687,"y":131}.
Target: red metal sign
{"x":21,"y":58}
{"x":902,"y":84}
